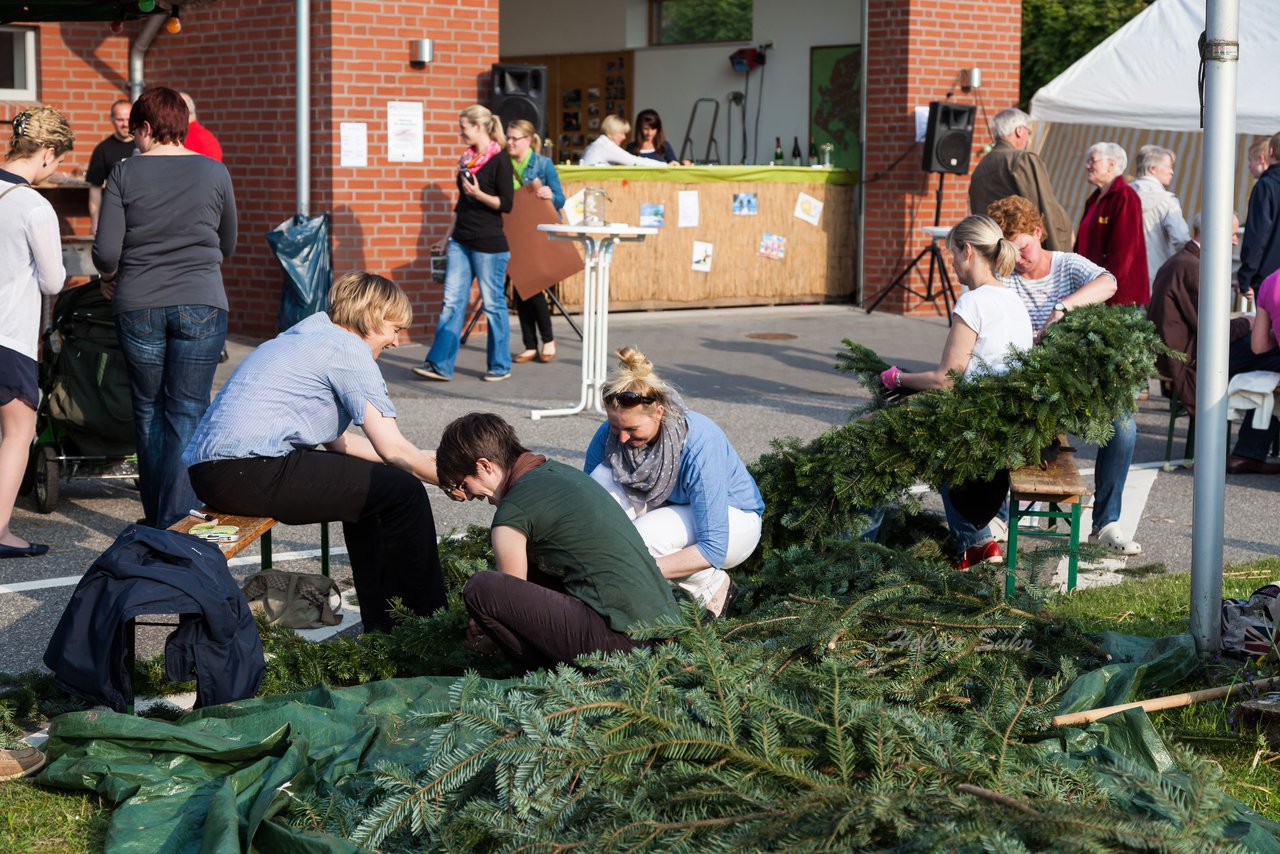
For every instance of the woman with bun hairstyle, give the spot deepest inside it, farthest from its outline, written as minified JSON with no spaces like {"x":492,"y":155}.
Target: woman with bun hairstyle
{"x":476,"y":248}
{"x":990,"y":322}
{"x":696,"y":506}
{"x":529,"y":166}
{"x":30,"y":265}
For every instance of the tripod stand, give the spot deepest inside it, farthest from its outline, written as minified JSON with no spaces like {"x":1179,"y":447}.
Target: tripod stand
{"x":937,"y":265}
{"x":555,"y":301}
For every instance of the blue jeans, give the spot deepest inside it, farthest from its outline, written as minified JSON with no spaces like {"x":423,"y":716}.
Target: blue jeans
{"x":171,"y":354}
{"x":1110,"y":471}
{"x":966,"y":534}
{"x":490,"y":270}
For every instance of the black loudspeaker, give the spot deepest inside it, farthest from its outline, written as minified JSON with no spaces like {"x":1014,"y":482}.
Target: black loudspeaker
{"x":949,"y":141}
{"x":519,"y":92}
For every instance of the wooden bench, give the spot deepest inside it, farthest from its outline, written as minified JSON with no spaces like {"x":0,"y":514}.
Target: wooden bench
{"x":1055,"y":482}
{"x":252,"y":528}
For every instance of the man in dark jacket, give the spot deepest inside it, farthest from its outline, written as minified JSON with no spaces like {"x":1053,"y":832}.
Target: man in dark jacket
{"x":1010,"y":169}
{"x":1260,"y":251}
{"x":1175,"y":311}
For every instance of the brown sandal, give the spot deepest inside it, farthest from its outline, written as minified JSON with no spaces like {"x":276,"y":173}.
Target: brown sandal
{"x":526,"y":356}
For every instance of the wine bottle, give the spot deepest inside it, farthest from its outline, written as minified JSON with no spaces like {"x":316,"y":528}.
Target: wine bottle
{"x":778,"y":157}
{"x":797,"y":158}
{"x":813,"y":153}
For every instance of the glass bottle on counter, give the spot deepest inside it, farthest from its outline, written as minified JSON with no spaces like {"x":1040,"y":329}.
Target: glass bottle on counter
{"x":778,"y":157}
{"x":797,"y":158}
{"x":813,"y":153}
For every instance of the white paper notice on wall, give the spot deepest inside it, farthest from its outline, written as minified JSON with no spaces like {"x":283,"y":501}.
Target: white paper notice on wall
{"x":701,"y":256}
{"x":355,"y":144}
{"x":808,"y":208}
{"x":404,"y":131}
{"x":922,"y":123}
{"x":687,"y":202}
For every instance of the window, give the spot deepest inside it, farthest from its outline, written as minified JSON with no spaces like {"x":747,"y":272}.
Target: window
{"x":699,"y":21}
{"x":17,"y":64}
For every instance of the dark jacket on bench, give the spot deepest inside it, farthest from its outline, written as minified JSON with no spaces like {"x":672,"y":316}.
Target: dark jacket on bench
{"x":148,"y":571}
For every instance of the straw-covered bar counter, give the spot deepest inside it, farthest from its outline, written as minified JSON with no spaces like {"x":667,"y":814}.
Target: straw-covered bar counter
{"x":816,"y":263}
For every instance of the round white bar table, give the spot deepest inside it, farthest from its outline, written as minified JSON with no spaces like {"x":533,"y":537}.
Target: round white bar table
{"x":597,"y":242}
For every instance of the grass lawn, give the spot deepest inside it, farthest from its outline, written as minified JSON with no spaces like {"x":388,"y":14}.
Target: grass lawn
{"x":33,"y":819}
{"x":1155,"y":606}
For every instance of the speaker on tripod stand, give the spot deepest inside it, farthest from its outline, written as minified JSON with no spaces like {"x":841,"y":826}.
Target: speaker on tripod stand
{"x":948,"y":143}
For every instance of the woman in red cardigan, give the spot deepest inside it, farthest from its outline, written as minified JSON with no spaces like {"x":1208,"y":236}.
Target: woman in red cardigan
{"x":1110,"y":232}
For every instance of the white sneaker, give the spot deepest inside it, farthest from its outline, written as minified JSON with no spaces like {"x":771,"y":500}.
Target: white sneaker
{"x":1114,"y":538}
{"x":999,"y":530}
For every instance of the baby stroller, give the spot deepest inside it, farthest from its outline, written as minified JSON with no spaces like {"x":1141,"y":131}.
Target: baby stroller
{"x":84,"y":426}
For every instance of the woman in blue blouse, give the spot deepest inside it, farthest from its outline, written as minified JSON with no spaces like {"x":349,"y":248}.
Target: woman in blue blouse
{"x":275,"y":443}
{"x":696,"y":506}
{"x":523,"y":144}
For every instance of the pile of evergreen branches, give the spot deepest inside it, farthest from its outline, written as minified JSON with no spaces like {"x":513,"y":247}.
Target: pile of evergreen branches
{"x":1082,"y":376}
{"x":869,"y":698}
{"x":884,"y":704}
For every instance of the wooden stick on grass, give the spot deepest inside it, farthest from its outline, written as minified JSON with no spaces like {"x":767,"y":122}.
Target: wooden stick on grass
{"x":1172,"y":701}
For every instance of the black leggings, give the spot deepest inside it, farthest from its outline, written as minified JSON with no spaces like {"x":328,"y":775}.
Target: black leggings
{"x":385,"y":514}
{"x":535,"y":319}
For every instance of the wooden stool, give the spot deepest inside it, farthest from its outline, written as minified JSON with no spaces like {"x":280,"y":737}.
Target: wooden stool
{"x":1057,"y":482}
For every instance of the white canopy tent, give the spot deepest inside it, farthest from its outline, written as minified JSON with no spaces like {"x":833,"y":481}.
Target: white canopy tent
{"x":1140,"y":87}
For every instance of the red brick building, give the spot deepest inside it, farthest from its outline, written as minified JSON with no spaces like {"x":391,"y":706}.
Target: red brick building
{"x":236,"y":58}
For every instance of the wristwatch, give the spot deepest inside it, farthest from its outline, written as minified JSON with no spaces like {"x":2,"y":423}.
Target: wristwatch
{"x":1060,"y":306}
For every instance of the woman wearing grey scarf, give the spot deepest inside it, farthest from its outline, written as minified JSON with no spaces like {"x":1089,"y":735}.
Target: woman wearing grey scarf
{"x":675,"y":473}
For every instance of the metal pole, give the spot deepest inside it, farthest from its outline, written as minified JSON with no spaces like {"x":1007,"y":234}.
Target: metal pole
{"x":302,"y":105}
{"x":138,"y":53}
{"x":1222,"y":51}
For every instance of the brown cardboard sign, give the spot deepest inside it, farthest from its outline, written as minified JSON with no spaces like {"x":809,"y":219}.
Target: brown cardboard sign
{"x":537,"y":261}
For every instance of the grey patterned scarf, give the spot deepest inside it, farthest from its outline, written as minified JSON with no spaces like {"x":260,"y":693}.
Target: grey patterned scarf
{"x":648,"y":473}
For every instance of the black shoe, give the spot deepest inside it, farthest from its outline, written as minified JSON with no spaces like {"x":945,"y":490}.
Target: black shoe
{"x":31,"y":550}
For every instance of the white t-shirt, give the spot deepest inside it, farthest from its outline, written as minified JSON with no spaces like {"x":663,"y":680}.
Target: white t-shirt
{"x":1001,"y":321}
{"x":30,"y":264}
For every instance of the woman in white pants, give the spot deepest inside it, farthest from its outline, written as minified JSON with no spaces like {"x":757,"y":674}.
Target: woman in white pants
{"x":693,"y":501}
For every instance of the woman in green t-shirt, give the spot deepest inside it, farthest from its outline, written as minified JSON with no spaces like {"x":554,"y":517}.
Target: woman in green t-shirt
{"x":573,"y":576}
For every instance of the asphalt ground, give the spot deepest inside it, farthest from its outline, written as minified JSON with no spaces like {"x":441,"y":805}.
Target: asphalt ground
{"x":760,"y":373}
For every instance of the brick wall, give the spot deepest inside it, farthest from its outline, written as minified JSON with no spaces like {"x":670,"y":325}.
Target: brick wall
{"x":236,"y":58}
{"x":82,"y":68}
{"x":915,"y":50}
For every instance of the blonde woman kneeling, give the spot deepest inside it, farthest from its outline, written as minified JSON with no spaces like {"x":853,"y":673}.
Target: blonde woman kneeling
{"x":696,"y":506}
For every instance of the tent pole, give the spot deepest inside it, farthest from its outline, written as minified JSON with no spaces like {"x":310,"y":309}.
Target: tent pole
{"x":302,"y":105}
{"x":1221,"y":58}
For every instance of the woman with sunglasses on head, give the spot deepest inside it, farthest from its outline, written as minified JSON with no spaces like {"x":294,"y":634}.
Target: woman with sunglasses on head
{"x":696,"y":506}
{"x":476,"y":248}
{"x":530,"y":167}
{"x":30,"y":265}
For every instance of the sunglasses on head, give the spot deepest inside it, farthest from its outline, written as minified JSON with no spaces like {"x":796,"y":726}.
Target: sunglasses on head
{"x":628,"y":399}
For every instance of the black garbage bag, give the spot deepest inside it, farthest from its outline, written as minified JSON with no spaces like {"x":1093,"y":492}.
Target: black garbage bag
{"x":302,"y":245}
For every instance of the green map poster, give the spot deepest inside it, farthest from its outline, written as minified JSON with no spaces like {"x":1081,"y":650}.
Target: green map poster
{"x":835,"y":103}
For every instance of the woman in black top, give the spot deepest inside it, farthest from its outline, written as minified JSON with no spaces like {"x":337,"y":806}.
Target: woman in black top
{"x":651,"y":142}
{"x":476,"y":248}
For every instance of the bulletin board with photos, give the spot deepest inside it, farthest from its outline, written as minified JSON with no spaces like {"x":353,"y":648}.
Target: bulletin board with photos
{"x":583,"y":88}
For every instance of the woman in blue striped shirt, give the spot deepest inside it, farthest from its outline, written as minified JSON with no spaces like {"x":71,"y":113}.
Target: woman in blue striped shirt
{"x":275,"y":443}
